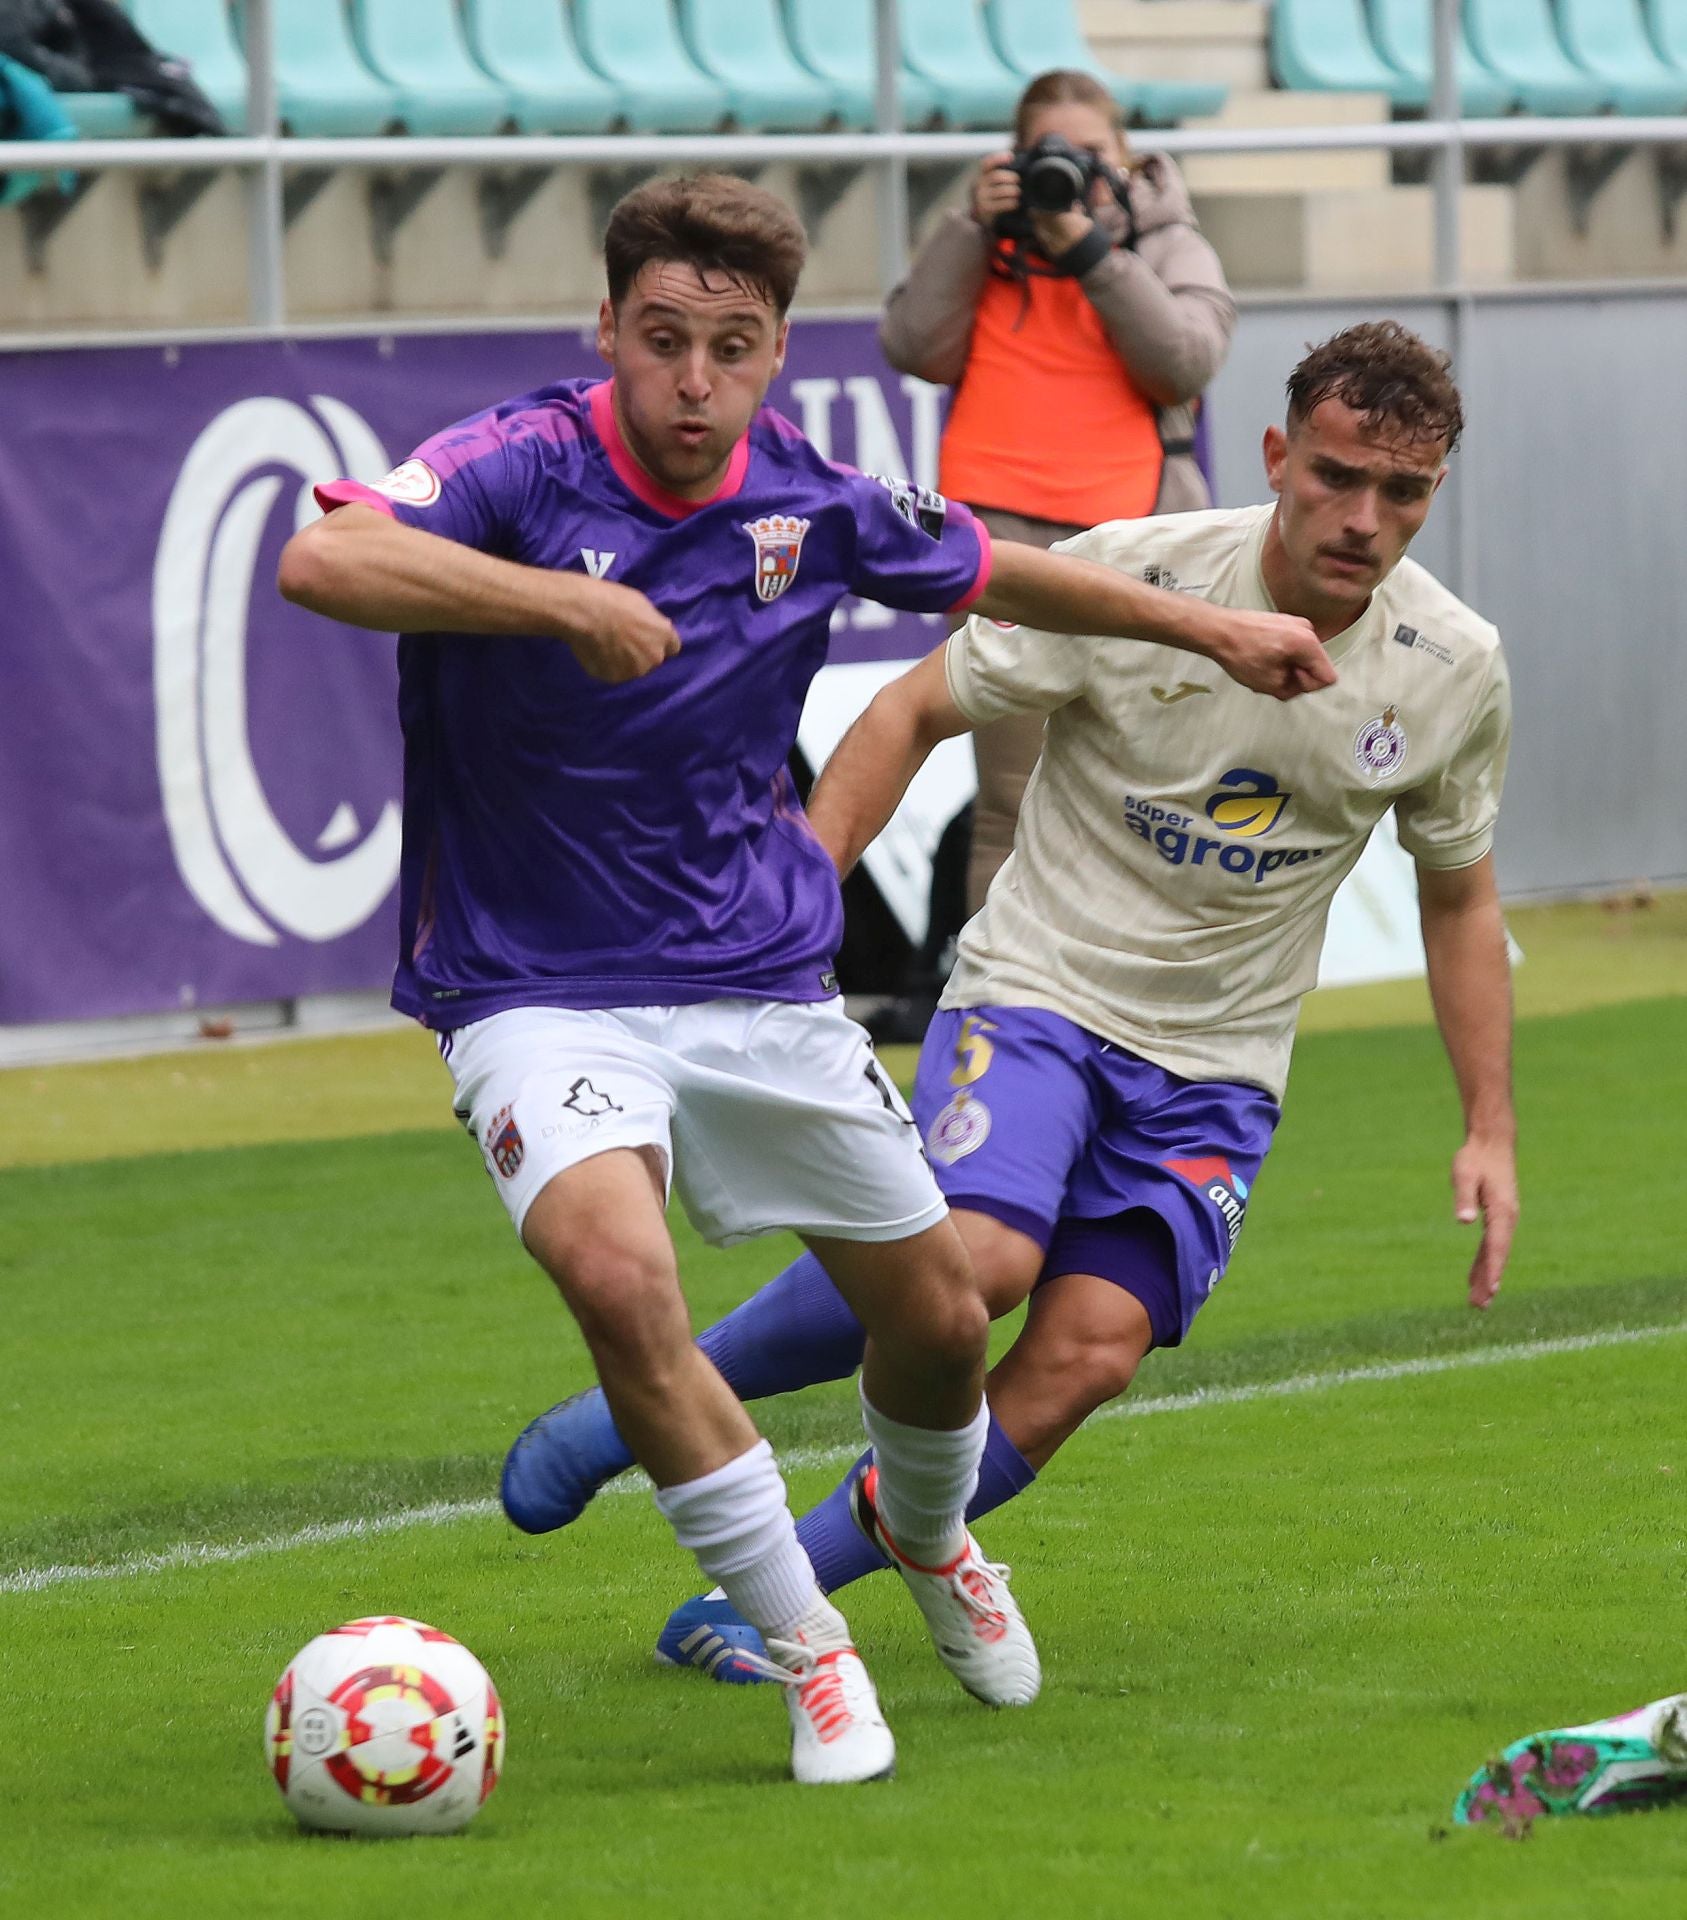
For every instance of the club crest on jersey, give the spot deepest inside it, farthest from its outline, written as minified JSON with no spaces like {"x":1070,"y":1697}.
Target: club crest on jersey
{"x":414,"y":483}
{"x":504,"y":1146}
{"x":1380,"y":745}
{"x":778,"y":538}
{"x":962,"y":1127}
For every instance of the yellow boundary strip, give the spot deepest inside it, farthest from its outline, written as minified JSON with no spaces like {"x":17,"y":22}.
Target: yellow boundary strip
{"x":226,"y":1094}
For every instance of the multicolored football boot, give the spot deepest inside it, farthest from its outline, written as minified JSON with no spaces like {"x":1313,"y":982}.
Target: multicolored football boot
{"x":1638,"y":1759}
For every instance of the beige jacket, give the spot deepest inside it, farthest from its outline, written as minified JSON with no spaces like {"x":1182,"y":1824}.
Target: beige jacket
{"x":1165,"y":306}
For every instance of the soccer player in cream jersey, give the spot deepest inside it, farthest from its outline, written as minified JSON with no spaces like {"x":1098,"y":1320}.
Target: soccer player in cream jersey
{"x":612,"y":597}
{"x":1099,"y":1087}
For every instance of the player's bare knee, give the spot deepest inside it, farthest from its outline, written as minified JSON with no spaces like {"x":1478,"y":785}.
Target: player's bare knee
{"x":1005,"y":1262}
{"x":1094,"y":1372}
{"x":625,"y":1297}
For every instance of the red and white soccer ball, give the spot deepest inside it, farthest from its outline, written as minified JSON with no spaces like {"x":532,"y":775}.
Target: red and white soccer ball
{"x":385,"y":1726}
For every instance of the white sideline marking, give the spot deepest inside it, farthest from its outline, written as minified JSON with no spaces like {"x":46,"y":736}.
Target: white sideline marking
{"x":445,"y":1512}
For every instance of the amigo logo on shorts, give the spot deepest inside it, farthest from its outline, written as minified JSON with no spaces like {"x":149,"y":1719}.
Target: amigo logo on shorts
{"x":1246,"y":805}
{"x":1226,"y":1190}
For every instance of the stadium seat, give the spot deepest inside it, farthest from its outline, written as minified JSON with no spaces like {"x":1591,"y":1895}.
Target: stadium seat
{"x":834,"y":39}
{"x":944,"y":41}
{"x":741,"y":43}
{"x":200,"y":33}
{"x":1403,"y":32}
{"x":1608,"y":38}
{"x":30,"y":110}
{"x":105,"y":116}
{"x":527,"y":47}
{"x":1517,"y":42}
{"x":1668,"y":22}
{"x":1034,"y":35}
{"x":417,"y":47}
{"x":323,"y":89}
{"x":636,"y":44}
{"x":1324,"y":46}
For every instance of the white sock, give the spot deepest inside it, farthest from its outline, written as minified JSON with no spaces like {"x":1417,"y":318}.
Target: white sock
{"x":926,"y":1477}
{"x":738,"y":1523}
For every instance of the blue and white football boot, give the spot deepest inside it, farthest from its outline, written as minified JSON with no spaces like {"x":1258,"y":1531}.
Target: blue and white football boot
{"x":710,"y":1634}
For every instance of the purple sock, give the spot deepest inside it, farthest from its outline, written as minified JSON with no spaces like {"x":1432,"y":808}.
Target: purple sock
{"x":794,"y":1332}
{"x":841,"y":1552}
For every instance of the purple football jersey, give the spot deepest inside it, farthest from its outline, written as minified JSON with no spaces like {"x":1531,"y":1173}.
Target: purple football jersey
{"x":574,"y":844}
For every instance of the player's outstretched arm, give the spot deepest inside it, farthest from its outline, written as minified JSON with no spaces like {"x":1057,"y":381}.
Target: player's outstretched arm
{"x":864,"y":781}
{"x":359,"y":565}
{"x":1274,"y":653}
{"x":1470,"y":982}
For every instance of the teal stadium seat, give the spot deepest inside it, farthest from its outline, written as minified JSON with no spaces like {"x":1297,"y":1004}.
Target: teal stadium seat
{"x":1325,"y":46}
{"x":1404,"y":34}
{"x":418,"y":47}
{"x":323,"y":89}
{"x":741,"y":43}
{"x":944,"y":41}
{"x":1608,"y":38}
{"x":1668,"y":22}
{"x":834,"y":39}
{"x":636,"y":45}
{"x":30,"y":110}
{"x":1517,"y":42}
{"x":106,"y":116}
{"x":1034,"y":35}
{"x":528,"y":48}
{"x":201,"y":33}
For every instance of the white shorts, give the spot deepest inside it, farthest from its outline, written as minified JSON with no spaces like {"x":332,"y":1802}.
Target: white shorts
{"x":768,"y":1114}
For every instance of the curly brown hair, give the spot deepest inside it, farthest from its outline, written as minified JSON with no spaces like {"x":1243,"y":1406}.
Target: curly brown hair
{"x":713,"y":222}
{"x":1397,"y":383}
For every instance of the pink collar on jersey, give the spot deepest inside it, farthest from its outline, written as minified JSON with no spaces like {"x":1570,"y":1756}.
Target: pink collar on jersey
{"x":631,"y":475}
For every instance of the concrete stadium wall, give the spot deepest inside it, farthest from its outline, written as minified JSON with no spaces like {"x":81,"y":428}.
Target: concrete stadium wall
{"x":1562,"y":521}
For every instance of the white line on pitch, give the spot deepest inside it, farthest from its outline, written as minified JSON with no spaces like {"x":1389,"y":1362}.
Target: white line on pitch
{"x":445,"y":1512}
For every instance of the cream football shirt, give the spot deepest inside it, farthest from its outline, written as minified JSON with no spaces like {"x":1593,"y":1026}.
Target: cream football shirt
{"x":1181,"y":837}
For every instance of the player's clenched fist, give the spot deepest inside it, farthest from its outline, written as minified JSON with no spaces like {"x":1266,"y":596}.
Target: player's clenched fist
{"x":619,"y":635}
{"x":1274,"y":653}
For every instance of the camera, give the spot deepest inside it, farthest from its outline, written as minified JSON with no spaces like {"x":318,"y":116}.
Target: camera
{"x":1053,"y":175}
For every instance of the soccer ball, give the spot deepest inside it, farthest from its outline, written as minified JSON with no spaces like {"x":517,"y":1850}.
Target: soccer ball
{"x":385,"y":1726}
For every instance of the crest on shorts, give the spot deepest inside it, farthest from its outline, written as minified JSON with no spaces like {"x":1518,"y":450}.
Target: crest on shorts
{"x":778,"y":538}
{"x":504,"y":1146}
{"x":961,"y":1128}
{"x":1380,"y":745}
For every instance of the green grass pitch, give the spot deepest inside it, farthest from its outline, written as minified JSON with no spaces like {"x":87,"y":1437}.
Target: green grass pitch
{"x":1279,"y":1629}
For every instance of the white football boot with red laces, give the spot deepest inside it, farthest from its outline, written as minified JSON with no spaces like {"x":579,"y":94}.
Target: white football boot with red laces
{"x":975,"y":1622}
{"x":838,"y":1734}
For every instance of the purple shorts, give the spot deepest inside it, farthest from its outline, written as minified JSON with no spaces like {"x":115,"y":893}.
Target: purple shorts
{"x":1032,"y":1119}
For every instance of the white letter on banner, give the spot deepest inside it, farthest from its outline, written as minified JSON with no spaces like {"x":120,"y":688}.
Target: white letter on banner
{"x":815,"y":397}
{"x":234,"y":854}
{"x":926,"y":403}
{"x":877,"y":449}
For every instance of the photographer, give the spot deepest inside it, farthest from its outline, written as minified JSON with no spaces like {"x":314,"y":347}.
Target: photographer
{"x":1078,"y":313}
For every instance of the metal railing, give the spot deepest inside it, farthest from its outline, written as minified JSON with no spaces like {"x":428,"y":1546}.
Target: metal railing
{"x":265,"y":155}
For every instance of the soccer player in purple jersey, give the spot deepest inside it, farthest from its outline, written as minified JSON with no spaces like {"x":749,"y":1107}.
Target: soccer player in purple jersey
{"x":613,"y":597}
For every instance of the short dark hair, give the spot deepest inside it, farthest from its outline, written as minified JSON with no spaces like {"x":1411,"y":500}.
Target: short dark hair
{"x":1394,"y":381}
{"x":1063,"y":86}
{"x":713,"y":222}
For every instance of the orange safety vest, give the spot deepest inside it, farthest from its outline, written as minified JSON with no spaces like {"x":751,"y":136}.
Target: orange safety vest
{"x":1047,"y":420}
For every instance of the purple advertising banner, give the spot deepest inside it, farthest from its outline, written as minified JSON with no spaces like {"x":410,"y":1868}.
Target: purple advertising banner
{"x":198,"y":783}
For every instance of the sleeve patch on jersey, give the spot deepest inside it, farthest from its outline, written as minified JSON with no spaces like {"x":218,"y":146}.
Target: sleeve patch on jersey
{"x":413,"y":482}
{"x":920,"y":506}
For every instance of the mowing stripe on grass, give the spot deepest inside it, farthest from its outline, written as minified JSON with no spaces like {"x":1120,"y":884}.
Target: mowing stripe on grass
{"x":445,"y":1512}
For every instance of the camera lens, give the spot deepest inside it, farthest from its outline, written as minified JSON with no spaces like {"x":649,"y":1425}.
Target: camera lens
{"x":1054,"y":182}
